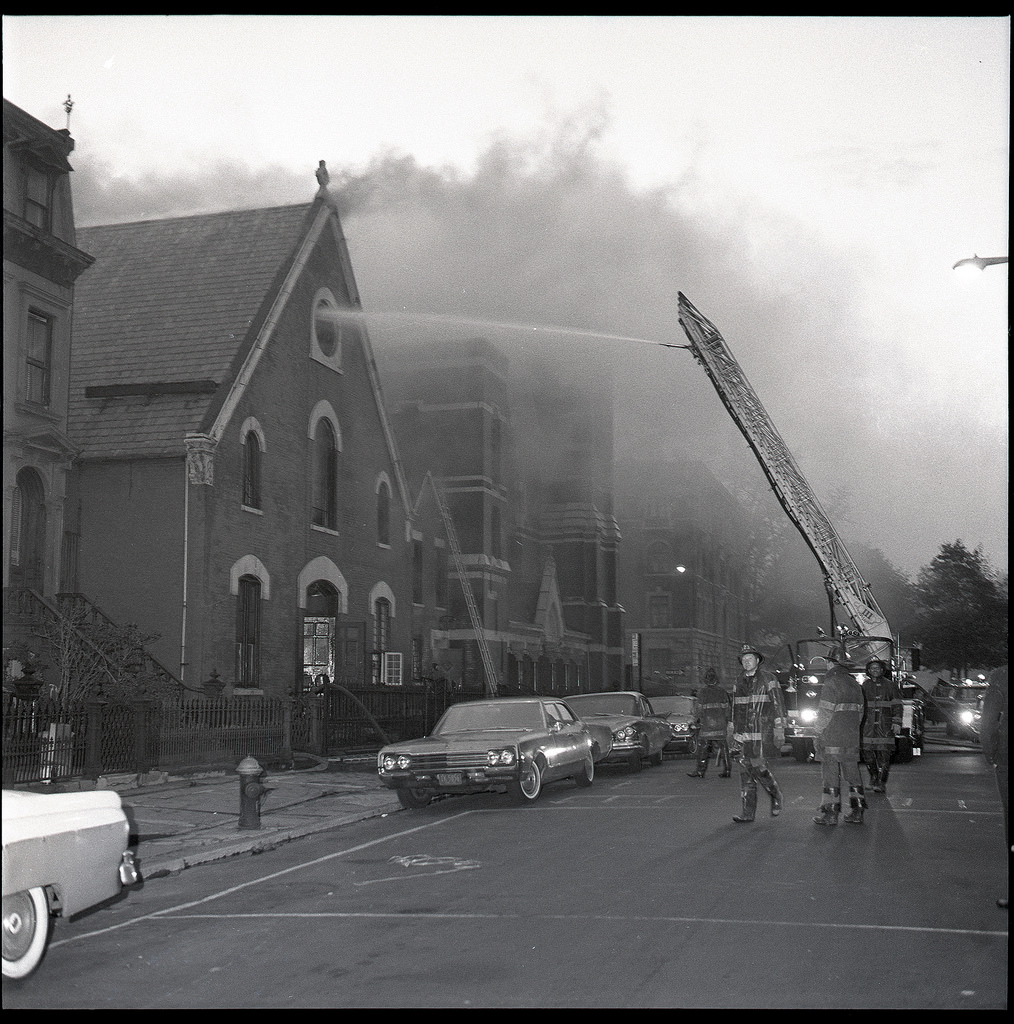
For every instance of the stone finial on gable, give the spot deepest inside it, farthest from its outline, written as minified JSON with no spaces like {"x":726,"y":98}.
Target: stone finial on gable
{"x":322,"y":178}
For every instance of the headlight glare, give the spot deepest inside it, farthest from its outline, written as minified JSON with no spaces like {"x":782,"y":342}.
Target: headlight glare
{"x":404,"y":761}
{"x":389,"y":762}
{"x":808,"y":715}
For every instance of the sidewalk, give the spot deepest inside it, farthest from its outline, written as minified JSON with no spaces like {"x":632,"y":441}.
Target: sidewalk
{"x":181,"y":822}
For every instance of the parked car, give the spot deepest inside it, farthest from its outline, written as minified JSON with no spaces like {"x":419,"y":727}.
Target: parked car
{"x":684,"y":718}
{"x":638,"y":731}
{"x":516,"y":744}
{"x":62,"y":853}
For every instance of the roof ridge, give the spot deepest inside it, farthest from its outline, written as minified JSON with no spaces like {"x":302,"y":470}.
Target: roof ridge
{"x":198,"y":216}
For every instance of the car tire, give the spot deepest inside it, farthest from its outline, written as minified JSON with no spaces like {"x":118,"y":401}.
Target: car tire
{"x":27,"y":925}
{"x":634,"y":761}
{"x":528,"y":788}
{"x":800,"y":751}
{"x":413,"y":799}
{"x":692,"y":745}
{"x":586,"y":776}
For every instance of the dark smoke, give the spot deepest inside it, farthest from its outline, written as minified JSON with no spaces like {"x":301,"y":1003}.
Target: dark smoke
{"x":552,"y":235}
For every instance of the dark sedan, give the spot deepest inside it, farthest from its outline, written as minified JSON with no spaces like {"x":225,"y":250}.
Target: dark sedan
{"x":514,"y":745}
{"x":638,"y":731}
{"x":684,"y":718}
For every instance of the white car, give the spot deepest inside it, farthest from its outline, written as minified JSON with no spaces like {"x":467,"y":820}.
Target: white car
{"x":62,"y":853}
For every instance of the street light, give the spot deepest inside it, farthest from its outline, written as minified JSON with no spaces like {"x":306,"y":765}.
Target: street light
{"x":980,"y":262}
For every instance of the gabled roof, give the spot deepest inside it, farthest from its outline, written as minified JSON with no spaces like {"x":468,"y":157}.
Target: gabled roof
{"x":171,"y":301}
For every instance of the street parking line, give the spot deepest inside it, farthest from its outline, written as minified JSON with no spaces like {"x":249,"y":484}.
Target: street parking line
{"x":609,"y":918}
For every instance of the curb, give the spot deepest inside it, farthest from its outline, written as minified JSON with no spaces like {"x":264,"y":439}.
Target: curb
{"x":263,"y":840}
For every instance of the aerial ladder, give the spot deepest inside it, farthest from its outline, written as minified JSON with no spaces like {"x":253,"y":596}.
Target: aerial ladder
{"x":473,"y":611}
{"x":842,"y":579}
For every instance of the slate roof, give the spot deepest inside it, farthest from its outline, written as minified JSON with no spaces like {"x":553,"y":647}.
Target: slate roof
{"x":170,"y":301}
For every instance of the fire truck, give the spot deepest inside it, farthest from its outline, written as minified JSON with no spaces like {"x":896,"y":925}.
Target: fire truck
{"x":858,"y":625}
{"x":802,"y":683}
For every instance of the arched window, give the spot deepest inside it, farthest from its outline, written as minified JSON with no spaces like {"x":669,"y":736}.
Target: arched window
{"x":383,"y":513}
{"x":251,"y":470}
{"x":28,"y":531}
{"x":381,"y":624}
{"x":386,"y":663}
{"x":325,"y":476}
{"x":248,"y":631}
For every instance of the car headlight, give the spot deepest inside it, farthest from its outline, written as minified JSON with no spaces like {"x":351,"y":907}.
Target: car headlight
{"x":404,"y":761}
{"x":808,"y":715}
{"x":503,"y":755}
{"x":389,"y":762}
{"x":967,"y":718}
{"x":628,"y":732}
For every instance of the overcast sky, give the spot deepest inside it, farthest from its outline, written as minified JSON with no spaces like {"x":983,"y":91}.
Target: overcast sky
{"x":807,"y":182}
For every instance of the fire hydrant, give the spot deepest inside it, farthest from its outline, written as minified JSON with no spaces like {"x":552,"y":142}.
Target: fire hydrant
{"x":251,"y":789}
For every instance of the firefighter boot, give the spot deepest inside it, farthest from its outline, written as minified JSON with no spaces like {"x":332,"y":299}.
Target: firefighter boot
{"x":857,"y":804}
{"x":767,"y":780}
{"x":881,"y":786}
{"x":702,"y":765}
{"x":829,"y":807}
{"x":749,"y":795}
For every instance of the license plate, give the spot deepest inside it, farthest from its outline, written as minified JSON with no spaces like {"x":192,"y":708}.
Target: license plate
{"x":450,"y":778}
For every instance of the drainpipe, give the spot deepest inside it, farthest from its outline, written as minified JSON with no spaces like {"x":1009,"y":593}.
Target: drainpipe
{"x":186,"y":547}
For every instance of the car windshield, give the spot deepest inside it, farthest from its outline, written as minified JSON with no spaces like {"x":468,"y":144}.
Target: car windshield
{"x":812,"y":654}
{"x":966,"y":694}
{"x":673,"y":705}
{"x":524,"y":717}
{"x":604,"y":704}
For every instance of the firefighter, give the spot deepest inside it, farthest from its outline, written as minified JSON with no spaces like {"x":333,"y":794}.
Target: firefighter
{"x":716,"y":711}
{"x":838,"y":732}
{"x":757,"y":711}
{"x":882,"y":722}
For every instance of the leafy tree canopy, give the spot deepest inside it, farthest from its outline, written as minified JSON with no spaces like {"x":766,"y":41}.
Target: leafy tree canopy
{"x":961,"y":610}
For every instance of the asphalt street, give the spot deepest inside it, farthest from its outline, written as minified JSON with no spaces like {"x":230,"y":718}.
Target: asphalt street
{"x":638,"y":892}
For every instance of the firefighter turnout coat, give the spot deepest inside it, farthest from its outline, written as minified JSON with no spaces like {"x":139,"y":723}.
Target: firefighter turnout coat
{"x":757,"y":702}
{"x":715,"y":703}
{"x":884,"y":710}
{"x":839,"y":716}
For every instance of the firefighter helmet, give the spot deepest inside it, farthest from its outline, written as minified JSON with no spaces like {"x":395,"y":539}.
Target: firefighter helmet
{"x":749,"y":649}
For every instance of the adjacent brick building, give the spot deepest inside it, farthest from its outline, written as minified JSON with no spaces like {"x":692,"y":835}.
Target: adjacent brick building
{"x":42,"y":262}
{"x":527,"y":473}
{"x":684,"y":578}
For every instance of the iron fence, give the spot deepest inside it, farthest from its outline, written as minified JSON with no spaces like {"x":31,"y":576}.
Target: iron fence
{"x":58,"y":740}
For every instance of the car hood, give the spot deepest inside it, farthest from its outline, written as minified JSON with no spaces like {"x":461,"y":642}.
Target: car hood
{"x":459,"y":741}
{"x":613,"y":721}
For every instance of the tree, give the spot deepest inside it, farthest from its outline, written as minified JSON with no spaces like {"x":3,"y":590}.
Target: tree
{"x":95,"y":656}
{"x":961,"y":610}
